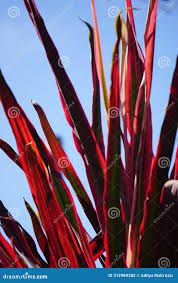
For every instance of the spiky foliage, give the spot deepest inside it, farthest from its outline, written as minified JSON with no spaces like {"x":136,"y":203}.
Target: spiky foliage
{"x":130,"y":196}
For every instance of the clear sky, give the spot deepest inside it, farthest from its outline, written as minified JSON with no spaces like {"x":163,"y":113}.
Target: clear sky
{"x":24,"y":64}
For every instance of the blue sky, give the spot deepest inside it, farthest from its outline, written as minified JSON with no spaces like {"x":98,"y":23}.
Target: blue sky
{"x":23,"y":62}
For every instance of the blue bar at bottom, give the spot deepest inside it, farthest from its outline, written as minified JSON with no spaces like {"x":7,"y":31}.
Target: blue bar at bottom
{"x":89,"y":275}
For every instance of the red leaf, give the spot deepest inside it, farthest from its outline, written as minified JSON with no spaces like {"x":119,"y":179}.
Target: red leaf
{"x":78,"y":121}
{"x":66,"y":167}
{"x":60,"y":235}
{"x":96,"y":107}
{"x":41,"y":237}
{"x":8,"y":257}
{"x":159,"y":171}
{"x":134,"y":74}
{"x":114,"y":229}
{"x":176,"y":166}
{"x":98,"y":56}
{"x":21,"y":239}
{"x":130,"y":13}
{"x":10,"y":152}
{"x":149,"y":39}
{"x":97,"y":246}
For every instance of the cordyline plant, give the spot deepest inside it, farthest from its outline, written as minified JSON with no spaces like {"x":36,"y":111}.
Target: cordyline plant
{"x":136,"y":211}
